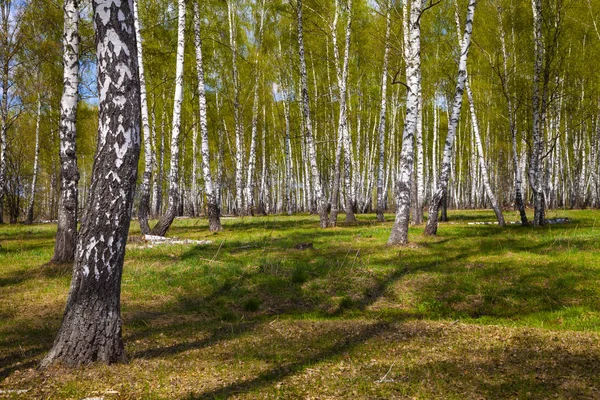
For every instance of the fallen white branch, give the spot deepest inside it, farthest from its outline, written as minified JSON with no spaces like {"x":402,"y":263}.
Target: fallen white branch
{"x":152,"y":240}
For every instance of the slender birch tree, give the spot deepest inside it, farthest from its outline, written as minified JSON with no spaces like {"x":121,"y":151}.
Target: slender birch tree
{"x":253,"y":138}
{"x":512,"y":120}
{"x":36,"y":161}
{"x":536,"y":167}
{"x":91,"y":327}
{"x":442,"y":188}
{"x":163,"y":224}
{"x":382,"y":119}
{"x":308,"y":131}
{"x":239,"y":131}
{"x":144,"y":207}
{"x":213,"y":210}
{"x":66,"y":235}
{"x":477,"y":137}
{"x":399,"y":234}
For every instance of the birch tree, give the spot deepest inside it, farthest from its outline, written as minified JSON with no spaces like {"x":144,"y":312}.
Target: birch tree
{"x":163,"y":224}
{"x":536,"y":168}
{"x":91,"y":327}
{"x":477,"y":137}
{"x":399,"y":234}
{"x":239,"y":132}
{"x":213,"y":210}
{"x":66,"y":235}
{"x":144,"y":206}
{"x":253,"y":138}
{"x":312,"y":155}
{"x":519,"y":203}
{"x":382,"y":120}
{"x":441,"y":190}
{"x":36,"y":161}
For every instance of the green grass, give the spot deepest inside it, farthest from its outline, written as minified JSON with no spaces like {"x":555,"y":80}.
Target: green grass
{"x":478,"y":312}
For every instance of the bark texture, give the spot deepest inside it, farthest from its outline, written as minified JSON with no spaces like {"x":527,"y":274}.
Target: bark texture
{"x":144,"y":207}
{"x":308,"y":131}
{"x":214,"y":213}
{"x":164,"y":223}
{"x":66,"y":235}
{"x":399,"y":234}
{"x":536,"y":167}
{"x":91,"y":326}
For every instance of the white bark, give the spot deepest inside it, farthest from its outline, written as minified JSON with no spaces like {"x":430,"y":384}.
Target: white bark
{"x":399,"y":234}
{"x":239,"y":132}
{"x":312,"y":155}
{"x":536,"y":170}
{"x":211,"y":195}
{"x":66,"y":234}
{"x":382,"y":120}
{"x":91,"y":327}
{"x":162,"y":226}
{"x":252,"y":157}
{"x":35,"y":161}
{"x":441,"y":190}
{"x":482,"y":165}
{"x":148,"y":155}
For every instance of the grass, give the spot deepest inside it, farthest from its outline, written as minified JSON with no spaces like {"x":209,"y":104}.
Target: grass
{"x":476,"y":312}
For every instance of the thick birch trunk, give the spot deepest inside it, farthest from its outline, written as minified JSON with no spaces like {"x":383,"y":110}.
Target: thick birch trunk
{"x":163,"y":224}
{"x":212,"y":205}
{"x":66,"y":235}
{"x":91,"y":326}
{"x":442,"y":188}
{"x":399,"y":234}
{"x":312,"y":155}
{"x":35,"y":161}
{"x":144,"y":206}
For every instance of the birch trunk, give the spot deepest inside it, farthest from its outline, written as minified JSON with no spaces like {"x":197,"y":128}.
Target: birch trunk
{"x":160,"y":163}
{"x":442,"y":188}
{"x":399,"y":234}
{"x":482,"y":165}
{"x":5,"y":59}
{"x":252,"y":158}
{"x":66,"y":235}
{"x":312,"y":155}
{"x":91,"y":326}
{"x":264,"y":209}
{"x":35,"y":161}
{"x":519,"y":203}
{"x":239,"y":133}
{"x":535,"y":163}
{"x":213,"y":210}
{"x":163,"y":224}
{"x":144,"y":206}
{"x":479,"y":147}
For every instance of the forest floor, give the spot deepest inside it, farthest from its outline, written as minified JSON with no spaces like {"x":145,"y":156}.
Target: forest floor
{"x":476,"y":312}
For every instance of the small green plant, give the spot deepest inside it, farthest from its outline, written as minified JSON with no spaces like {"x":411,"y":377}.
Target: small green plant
{"x":346,"y":302}
{"x":299,"y":275}
{"x":251,"y":304}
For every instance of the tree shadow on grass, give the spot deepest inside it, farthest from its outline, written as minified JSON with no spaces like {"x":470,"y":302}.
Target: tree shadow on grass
{"x":340,"y":346}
